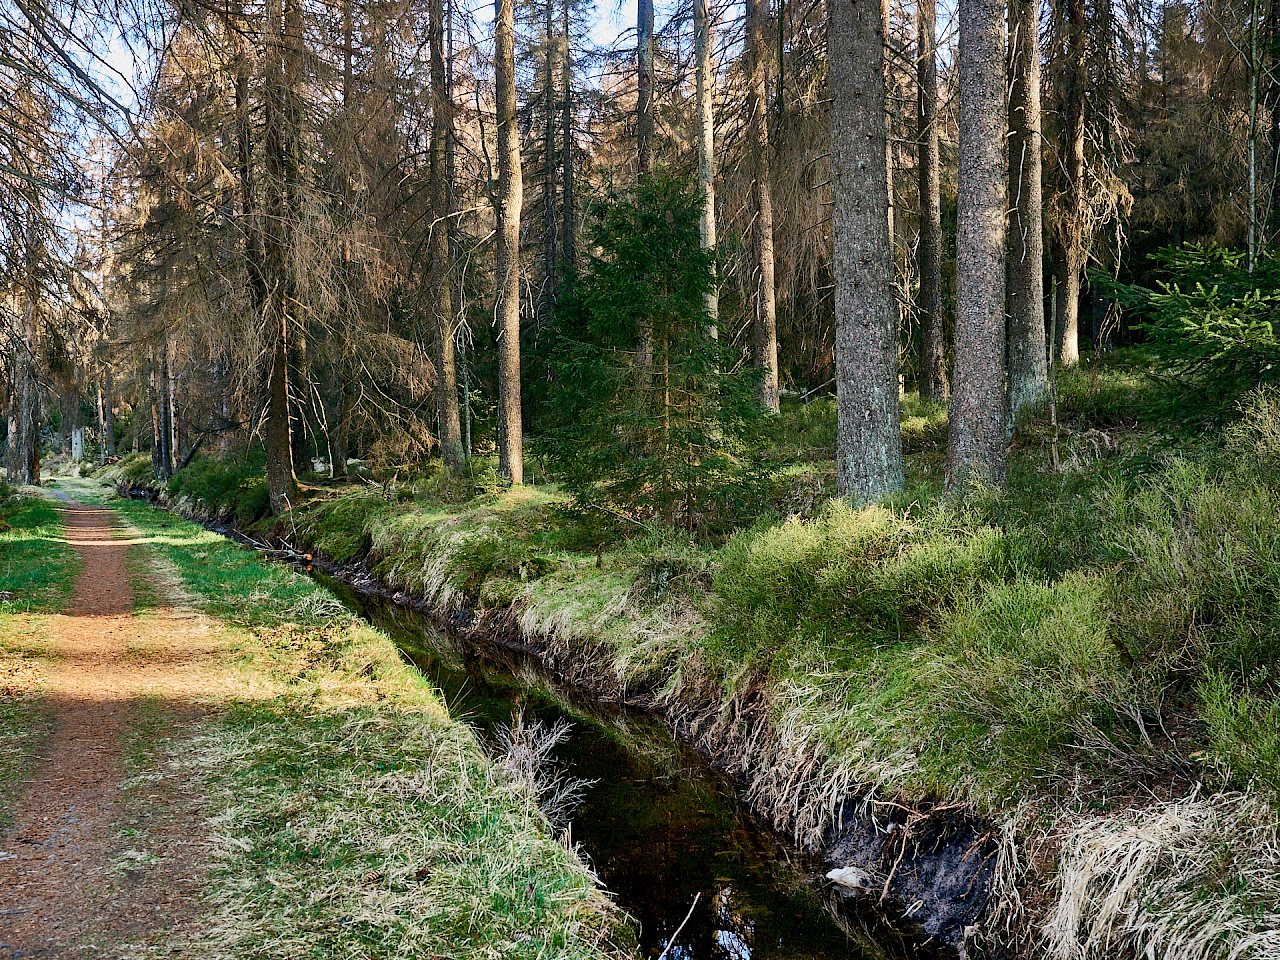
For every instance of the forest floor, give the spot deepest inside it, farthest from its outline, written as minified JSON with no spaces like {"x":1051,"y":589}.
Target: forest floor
{"x":176,"y":783}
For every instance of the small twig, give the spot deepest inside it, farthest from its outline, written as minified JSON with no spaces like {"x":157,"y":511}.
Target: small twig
{"x":672,"y":941}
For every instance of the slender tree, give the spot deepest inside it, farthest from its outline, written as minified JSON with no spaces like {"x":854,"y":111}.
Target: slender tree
{"x":976,"y":437}
{"x":702,"y":40}
{"x":449,"y":424}
{"x":550,"y":157}
{"x":933,"y":364}
{"x":568,"y":235}
{"x":644,"y":96}
{"x":1072,"y":229}
{"x":766,"y":310}
{"x":507,"y":255}
{"x":281,"y":118}
{"x":868,"y":436}
{"x":1028,"y":377}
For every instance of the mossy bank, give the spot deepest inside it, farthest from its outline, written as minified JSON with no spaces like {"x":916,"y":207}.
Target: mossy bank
{"x":348,"y":813}
{"x":1026,"y":723}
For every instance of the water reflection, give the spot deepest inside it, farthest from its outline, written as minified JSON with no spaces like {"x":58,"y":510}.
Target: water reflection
{"x":659,"y":826}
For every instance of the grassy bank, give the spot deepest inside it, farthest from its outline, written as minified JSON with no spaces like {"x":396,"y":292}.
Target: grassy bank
{"x":351,"y":815}
{"x":1088,"y":652}
{"x":37,"y":572}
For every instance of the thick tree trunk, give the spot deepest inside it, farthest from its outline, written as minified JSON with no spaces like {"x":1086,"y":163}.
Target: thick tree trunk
{"x":644,"y":95}
{"x":706,"y":139}
{"x":507,"y":259}
{"x":868,"y":435}
{"x":933,"y":362}
{"x":1028,"y":377}
{"x":766,"y":315}
{"x":448,"y":422}
{"x":1068,"y":342}
{"x":976,"y":438}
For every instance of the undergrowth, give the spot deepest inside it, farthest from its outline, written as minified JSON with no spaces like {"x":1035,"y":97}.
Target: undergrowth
{"x":352,"y":816}
{"x":1091,"y":640}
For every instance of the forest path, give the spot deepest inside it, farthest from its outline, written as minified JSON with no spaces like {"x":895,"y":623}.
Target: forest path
{"x":98,"y":865}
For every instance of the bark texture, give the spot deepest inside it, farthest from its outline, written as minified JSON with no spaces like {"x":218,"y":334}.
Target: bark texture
{"x":1028,"y":376}
{"x":766,"y":315}
{"x":568,"y":236}
{"x":933,"y":362}
{"x":23,"y":462}
{"x":706,"y":138}
{"x":976,"y":437}
{"x":868,"y":436}
{"x":280,"y":143}
{"x":507,"y":260}
{"x":644,"y":97}
{"x":1073,"y":229}
{"x":448,"y":421}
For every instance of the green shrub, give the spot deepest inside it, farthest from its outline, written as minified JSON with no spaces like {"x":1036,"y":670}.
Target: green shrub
{"x":1034,"y":667}
{"x":1244,"y":729}
{"x":134,"y":469}
{"x":1201,"y":577}
{"x":1212,"y":327}
{"x":850,"y":577}
{"x":656,"y":418}
{"x":339,"y":528}
{"x":233,"y":487}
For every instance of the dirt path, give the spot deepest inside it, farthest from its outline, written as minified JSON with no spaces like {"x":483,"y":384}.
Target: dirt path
{"x":92,"y":863}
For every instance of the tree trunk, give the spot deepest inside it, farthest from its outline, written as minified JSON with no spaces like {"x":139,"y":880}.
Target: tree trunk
{"x":706,"y":140}
{"x":766,"y":317}
{"x":281,"y":117}
{"x":868,"y":435}
{"x":644,"y":95}
{"x":347,"y":393}
{"x":160,"y":435}
{"x":933,"y":362}
{"x":550,"y":154}
{"x":507,"y":257}
{"x":24,"y":405}
{"x":282,"y":483}
{"x":173,"y":420}
{"x":568,"y":241}
{"x":450,"y":427}
{"x":1028,"y":378}
{"x":976,"y":437}
{"x":106,"y":416}
{"x":1068,"y":343}
{"x":227,"y":413}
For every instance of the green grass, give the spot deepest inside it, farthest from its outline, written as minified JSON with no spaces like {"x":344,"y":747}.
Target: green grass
{"x":1067,"y":646}
{"x":37,"y":565}
{"x":352,"y":816}
{"x":38,"y":569}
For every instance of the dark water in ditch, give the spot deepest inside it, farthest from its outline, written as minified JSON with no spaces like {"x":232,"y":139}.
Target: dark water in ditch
{"x":659,"y":825}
